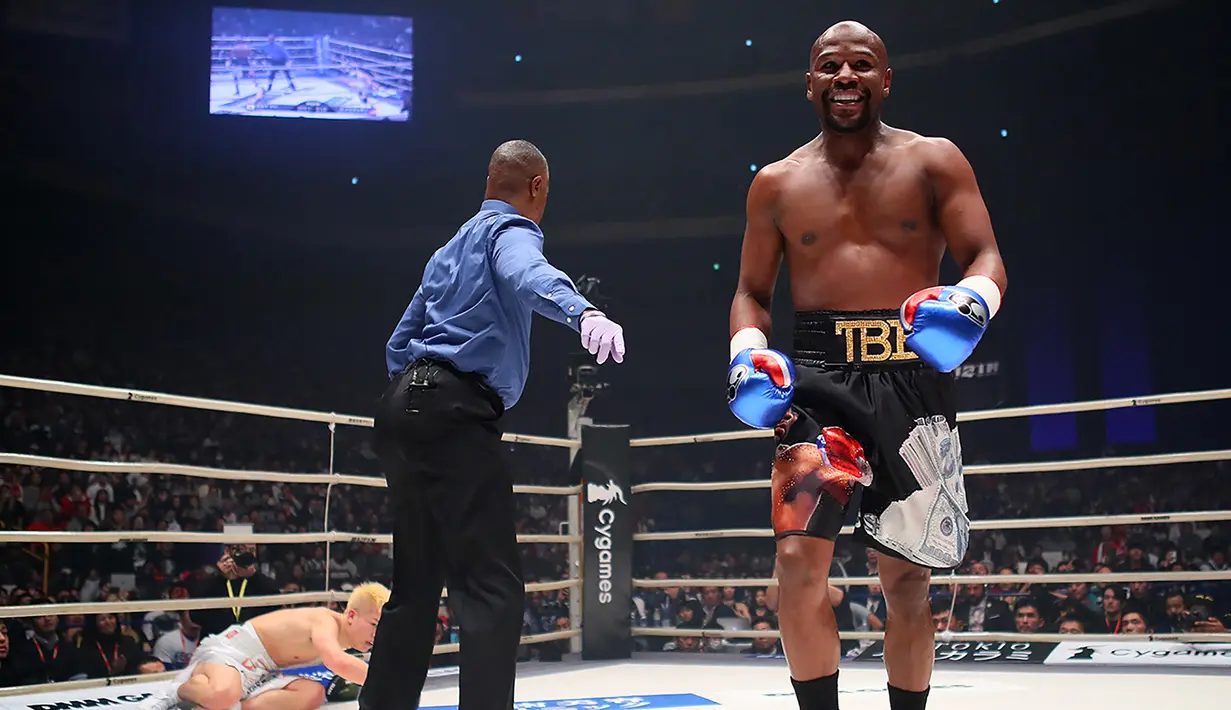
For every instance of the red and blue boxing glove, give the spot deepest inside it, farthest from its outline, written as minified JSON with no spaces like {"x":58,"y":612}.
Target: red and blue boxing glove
{"x":944,"y":324}
{"x":760,"y":381}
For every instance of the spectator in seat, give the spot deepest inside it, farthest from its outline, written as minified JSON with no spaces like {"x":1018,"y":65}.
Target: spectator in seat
{"x":764,"y":645}
{"x":662,"y":606}
{"x":1072,"y":626}
{"x":342,"y":569}
{"x":740,"y":608}
{"x":686,"y":644}
{"x":148,"y":664}
{"x":12,"y":512}
{"x":1205,"y":618}
{"x":1004,"y":591}
{"x":1113,"y":607}
{"x":1144,"y":601}
{"x":1175,"y":607}
{"x":8,"y":673}
{"x":1110,"y":547}
{"x":174,"y":649}
{"x":104,"y":652}
{"x":1028,"y":617}
{"x":943,"y":620}
{"x":237,"y":577}
{"x":42,"y":653}
{"x":712,"y":608}
{"x":1136,"y":560}
{"x":1077,"y":604}
{"x":978,"y":612}
{"x":552,"y":651}
{"x":1134,"y":622}
{"x":760,"y":605}
{"x":1218,"y":560}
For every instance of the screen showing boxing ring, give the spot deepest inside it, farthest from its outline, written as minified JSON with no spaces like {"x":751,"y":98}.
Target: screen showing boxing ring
{"x":286,"y":64}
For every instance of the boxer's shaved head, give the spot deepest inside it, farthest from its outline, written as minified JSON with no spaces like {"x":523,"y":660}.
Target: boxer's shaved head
{"x":848,"y":78}
{"x":517,"y":173}
{"x":848,"y":31}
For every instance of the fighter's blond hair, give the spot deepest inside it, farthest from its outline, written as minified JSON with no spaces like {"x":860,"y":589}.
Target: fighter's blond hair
{"x":369,"y":596}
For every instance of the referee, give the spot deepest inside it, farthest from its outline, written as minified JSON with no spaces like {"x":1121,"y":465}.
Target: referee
{"x":458,"y":359}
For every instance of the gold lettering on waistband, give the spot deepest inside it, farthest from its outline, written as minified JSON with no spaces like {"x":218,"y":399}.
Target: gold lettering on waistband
{"x":847,"y":328}
{"x":901,"y":352}
{"x":874,"y":333}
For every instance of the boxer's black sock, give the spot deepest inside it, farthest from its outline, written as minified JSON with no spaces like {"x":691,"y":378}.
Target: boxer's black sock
{"x":818,"y":693}
{"x":907,"y":699}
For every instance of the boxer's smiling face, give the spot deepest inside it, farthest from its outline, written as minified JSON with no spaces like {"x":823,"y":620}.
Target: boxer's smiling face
{"x":848,"y":78}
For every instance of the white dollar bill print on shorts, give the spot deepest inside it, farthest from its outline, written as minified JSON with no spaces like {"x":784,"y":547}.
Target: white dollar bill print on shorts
{"x":931,"y":527}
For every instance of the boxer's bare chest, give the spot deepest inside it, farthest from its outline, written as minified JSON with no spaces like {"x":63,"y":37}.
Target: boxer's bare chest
{"x":287,"y":636}
{"x":859,"y":238}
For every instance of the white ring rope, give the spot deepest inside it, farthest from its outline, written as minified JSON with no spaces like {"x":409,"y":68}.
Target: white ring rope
{"x":84,"y":684}
{"x":311,"y":415}
{"x":944,"y":636}
{"x":1005,"y":524}
{"x":979,"y":469}
{"x":175,"y":400}
{"x":941,"y":580}
{"x":264,"y":600}
{"x":40,"y":536}
{"x":525,"y":640}
{"x":170,"y":469}
{"x":979,"y":415}
{"x":220,"y":405}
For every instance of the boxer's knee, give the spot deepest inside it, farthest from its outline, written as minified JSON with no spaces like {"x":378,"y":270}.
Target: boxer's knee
{"x":309,"y":694}
{"x":221,"y":696}
{"x":906,"y":587}
{"x":804,"y":561}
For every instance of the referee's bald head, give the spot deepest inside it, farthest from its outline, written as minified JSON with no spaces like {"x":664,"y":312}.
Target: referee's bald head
{"x":517,"y":174}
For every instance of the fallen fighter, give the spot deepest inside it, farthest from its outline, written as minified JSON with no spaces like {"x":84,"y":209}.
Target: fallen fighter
{"x":241,"y":668}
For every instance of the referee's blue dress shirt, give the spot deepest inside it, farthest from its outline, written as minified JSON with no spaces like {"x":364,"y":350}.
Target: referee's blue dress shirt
{"x":474,"y":305}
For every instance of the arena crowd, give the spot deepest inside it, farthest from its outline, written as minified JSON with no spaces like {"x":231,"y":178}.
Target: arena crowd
{"x":60,"y":647}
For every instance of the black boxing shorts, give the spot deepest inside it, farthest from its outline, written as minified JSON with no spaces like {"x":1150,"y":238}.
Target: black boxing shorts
{"x":869,"y":413}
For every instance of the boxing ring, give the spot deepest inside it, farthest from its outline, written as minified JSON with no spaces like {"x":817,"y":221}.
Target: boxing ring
{"x":1072,"y":669}
{"x":331,"y":79}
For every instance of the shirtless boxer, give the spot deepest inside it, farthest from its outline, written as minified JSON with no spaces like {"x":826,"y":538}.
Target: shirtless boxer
{"x":240,"y":667}
{"x":863,"y":214}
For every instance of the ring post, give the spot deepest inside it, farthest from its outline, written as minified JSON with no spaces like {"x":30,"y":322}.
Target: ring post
{"x":607,"y":585}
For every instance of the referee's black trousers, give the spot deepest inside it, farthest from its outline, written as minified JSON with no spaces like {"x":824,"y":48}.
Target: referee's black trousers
{"x":451,"y":493}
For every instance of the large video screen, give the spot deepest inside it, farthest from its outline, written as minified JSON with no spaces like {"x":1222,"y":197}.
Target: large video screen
{"x":285,"y":64}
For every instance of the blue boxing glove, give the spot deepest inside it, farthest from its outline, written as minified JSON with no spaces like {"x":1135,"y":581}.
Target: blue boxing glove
{"x":944,"y":324}
{"x":760,"y":384}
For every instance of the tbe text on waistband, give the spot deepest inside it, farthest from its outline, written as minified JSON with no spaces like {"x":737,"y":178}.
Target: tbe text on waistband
{"x":876,"y":340}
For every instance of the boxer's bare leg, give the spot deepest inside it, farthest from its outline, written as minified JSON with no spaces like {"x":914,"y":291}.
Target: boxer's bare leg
{"x":806,"y":618}
{"x":909,"y":633}
{"x":213,"y":686}
{"x":771,"y":593}
{"x":302,"y":694}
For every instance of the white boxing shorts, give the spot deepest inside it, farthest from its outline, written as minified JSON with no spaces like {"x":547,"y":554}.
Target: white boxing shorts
{"x":238,"y":647}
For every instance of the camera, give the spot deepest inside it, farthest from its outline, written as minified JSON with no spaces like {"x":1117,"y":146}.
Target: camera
{"x":244,"y":559}
{"x":1186,"y":621}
